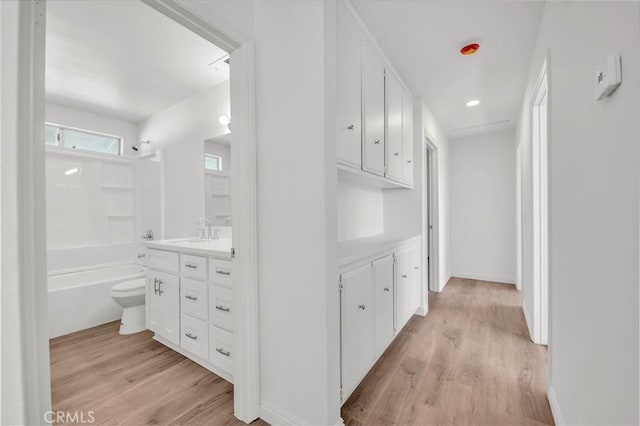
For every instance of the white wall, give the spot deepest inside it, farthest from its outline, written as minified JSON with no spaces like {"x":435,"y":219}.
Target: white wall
{"x":67,"y":116}
{"x":594,"y":206}
{"x":179,"y":132}
{"x":360,"y":211}
{"x":483,"y":206}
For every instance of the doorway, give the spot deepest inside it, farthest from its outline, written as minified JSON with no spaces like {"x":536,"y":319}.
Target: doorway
{"x":540,"y":159}
{"x":31,"y":165}
{"x":430,"y":215}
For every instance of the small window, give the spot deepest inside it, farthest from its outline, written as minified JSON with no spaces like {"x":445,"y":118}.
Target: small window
{"x":212,"y":162}
{"x":83,"y":140}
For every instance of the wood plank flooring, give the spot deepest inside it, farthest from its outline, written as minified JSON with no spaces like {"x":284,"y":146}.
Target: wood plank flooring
{"x":468,"y":362}
{"x":134,"y":380}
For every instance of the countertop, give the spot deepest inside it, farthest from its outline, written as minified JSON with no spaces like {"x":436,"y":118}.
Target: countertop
{"x":353,"y":251}
{"x":220,"y":249}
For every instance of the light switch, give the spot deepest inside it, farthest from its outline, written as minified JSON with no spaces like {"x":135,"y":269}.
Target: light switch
{"x":607,"y":81}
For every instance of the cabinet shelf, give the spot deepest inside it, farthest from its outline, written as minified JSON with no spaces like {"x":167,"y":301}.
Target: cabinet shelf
{"x":360,"y":177}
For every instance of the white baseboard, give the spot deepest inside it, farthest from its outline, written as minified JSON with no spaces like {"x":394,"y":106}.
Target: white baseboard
{"x":527,"y":319}
{"x":275,"y":417}
{"x":443,"y":284}
{"x":422,"y":311}
{"x":555,"y":407}
{"x":485,"y":277}
{"x":340,"y":422}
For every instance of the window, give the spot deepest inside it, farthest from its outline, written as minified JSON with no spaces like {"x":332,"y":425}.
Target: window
{"x":83,"y":140}
{"x":212,"y":162}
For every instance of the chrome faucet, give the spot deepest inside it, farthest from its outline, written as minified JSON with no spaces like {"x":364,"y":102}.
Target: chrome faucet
{"x":227,"y":221}
{"x":207,"y":224}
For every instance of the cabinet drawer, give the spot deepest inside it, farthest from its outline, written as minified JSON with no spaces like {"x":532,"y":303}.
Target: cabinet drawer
{"x":162,"y":260}
{"x":221,"y":348}
{"x":220,"y":271}
{"x":220,"y":307}
{"x":193,"y":266}
{"x":193,"y":298}
{"x":194,"y":336}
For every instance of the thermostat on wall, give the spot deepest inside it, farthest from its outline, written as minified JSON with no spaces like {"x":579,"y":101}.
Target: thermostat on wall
{"x":607,"y":81}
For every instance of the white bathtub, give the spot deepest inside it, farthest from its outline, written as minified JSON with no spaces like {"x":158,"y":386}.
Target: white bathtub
{"x":80,"y":300}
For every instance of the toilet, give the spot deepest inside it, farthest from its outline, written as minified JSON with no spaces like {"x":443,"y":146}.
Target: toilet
{"x":130,"y":295}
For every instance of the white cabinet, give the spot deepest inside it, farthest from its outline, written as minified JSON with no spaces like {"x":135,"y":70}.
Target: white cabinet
{"x":357,"y":326}
{"x":404,"y":288}
{"x":394,"y":139}
{"x":163,"y":305}
{"x":373,"y":80}
{"x":407,"y":139}
{"x":383,"y":295}
{"x":193,"y":300}
{"x":349,"y":90}
{"x":416,"y":278}
{"x":195,"y":337}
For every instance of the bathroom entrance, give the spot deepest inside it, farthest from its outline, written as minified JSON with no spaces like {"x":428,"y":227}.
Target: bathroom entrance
{"x":135,"y":116}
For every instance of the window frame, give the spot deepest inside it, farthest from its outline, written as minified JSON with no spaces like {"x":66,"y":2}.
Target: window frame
{"x":219,"y":158}
{"x":60,"y":139}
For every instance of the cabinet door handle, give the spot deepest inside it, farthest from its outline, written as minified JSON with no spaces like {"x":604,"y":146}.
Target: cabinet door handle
{"x":416,"y":267}
{"x":408,"y":161}
{"x":363,"y":307}
{"x":190,"y":297}
{"x":386,"y":290}
{"x":350,"y":127}
{"x":191,"y":336}
{"x":158,"y":290}
{"x":404,"y":276}
{"x":222,"y":272}
{"x":376,"y":142}
{"x":395,"y":154}
{"x":190,"y":265}
{"x":223,"y":308}
{"x":223,"y":352}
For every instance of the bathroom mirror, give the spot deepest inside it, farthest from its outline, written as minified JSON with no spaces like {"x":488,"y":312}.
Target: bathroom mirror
{"x":217,"y":162}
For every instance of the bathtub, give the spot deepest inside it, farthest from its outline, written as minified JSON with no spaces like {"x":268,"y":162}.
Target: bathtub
{"x":81,"y":300}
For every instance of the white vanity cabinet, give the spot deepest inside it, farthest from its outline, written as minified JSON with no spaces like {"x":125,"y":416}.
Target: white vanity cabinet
{"x":394,"y":129}
{"x":407,"y":139}
{"x":373,"y":80}
{"x":189,"y":306}
{"x":376,"y":301}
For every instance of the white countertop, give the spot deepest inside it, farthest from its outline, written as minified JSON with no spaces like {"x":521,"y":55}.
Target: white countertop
{"x":369,"y":248}
{"x":220,"y":248}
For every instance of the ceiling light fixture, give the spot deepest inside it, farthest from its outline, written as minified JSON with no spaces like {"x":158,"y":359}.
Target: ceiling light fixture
{"x":469,"y":49}
{"x":224,"y":120}
{"x":72,"y":171}
{"x":473,"y":102}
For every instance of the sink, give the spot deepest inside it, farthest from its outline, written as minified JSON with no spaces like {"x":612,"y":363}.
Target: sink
{"x":221,"y":246}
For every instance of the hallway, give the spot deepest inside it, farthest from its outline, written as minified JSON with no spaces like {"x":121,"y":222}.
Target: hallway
{"x":469,"y":361}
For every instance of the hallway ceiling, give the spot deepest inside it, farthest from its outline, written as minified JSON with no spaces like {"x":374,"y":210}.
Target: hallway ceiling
{"x":124,"y":59}
{"x":422,"y":40}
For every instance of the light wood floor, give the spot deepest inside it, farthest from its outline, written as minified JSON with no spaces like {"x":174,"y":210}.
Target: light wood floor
{"x":468,"y":362}
{"x":134,"y":380}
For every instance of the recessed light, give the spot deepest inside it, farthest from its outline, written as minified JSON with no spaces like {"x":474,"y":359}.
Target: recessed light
{"x":473,"y":102}
{"x":72,"y":171}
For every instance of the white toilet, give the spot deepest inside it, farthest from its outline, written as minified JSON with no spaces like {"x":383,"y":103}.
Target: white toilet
{"x":130,"y":295}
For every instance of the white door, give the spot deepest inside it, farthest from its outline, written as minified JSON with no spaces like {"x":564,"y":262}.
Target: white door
{"x":373,"y":82}
{"x":357,"y":326}
{"x":349,"y":88}
{"x":407,"y":139}
{"x":394,"y":129}
{"x":165,"y":307}
{"x":383,"y":295}
{"x":403,"y":288}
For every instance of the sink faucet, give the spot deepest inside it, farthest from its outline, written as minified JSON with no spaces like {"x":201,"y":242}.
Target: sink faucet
{"x":207,"y":224}
{"x":227,"y":221}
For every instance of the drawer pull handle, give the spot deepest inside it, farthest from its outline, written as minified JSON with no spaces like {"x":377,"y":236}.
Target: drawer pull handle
{"x":222,"y":272}
{"x":191,"y":336}
{"x":416,"y":267}
{"x":395,"y":154}
{"x":190,"y":297}
{"x":192,"y":266}
{"x":408,"y":161}
{"x":376,"y":142}
{"x":223,"y":352}
{"x":404,"y":276}
{"x":386,"y":289}
{"x":223,"y":308}
{"x":362,"y":307}
{"x":350,"y":127}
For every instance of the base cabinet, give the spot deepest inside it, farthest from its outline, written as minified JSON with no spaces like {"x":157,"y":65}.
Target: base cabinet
{"x":163,"y":305}
{"x":376,"y":301}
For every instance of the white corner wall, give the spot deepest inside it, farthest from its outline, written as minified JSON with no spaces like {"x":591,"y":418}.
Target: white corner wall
{"x":483,"y":206}
{"x":594,"y":211}
{"x":360,"y":211}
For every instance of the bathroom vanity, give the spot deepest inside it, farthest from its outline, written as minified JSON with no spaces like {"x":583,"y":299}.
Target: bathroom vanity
{"x":189,"y":300}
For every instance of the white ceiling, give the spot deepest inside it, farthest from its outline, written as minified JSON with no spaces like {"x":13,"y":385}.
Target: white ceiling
{"x":422,"y":40}
{"x":124,"y":59}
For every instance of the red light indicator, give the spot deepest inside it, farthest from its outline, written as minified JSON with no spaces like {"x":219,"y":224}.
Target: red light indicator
{"x":470,"y":49}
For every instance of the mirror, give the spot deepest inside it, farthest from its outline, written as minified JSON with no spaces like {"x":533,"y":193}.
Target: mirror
{"x":217,"y":188}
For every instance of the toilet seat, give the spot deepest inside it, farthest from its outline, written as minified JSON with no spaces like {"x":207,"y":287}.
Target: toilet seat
{"x":127,"y":287}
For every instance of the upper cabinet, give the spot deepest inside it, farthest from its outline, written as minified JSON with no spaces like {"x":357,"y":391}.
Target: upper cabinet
{"x":374,"y":130}
{"x":349,"y":90}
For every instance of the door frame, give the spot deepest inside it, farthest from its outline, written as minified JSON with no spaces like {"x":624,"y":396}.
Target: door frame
{"x":31,"y":206}
{"x":539,"y":108}
{"x":430,"y":215}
